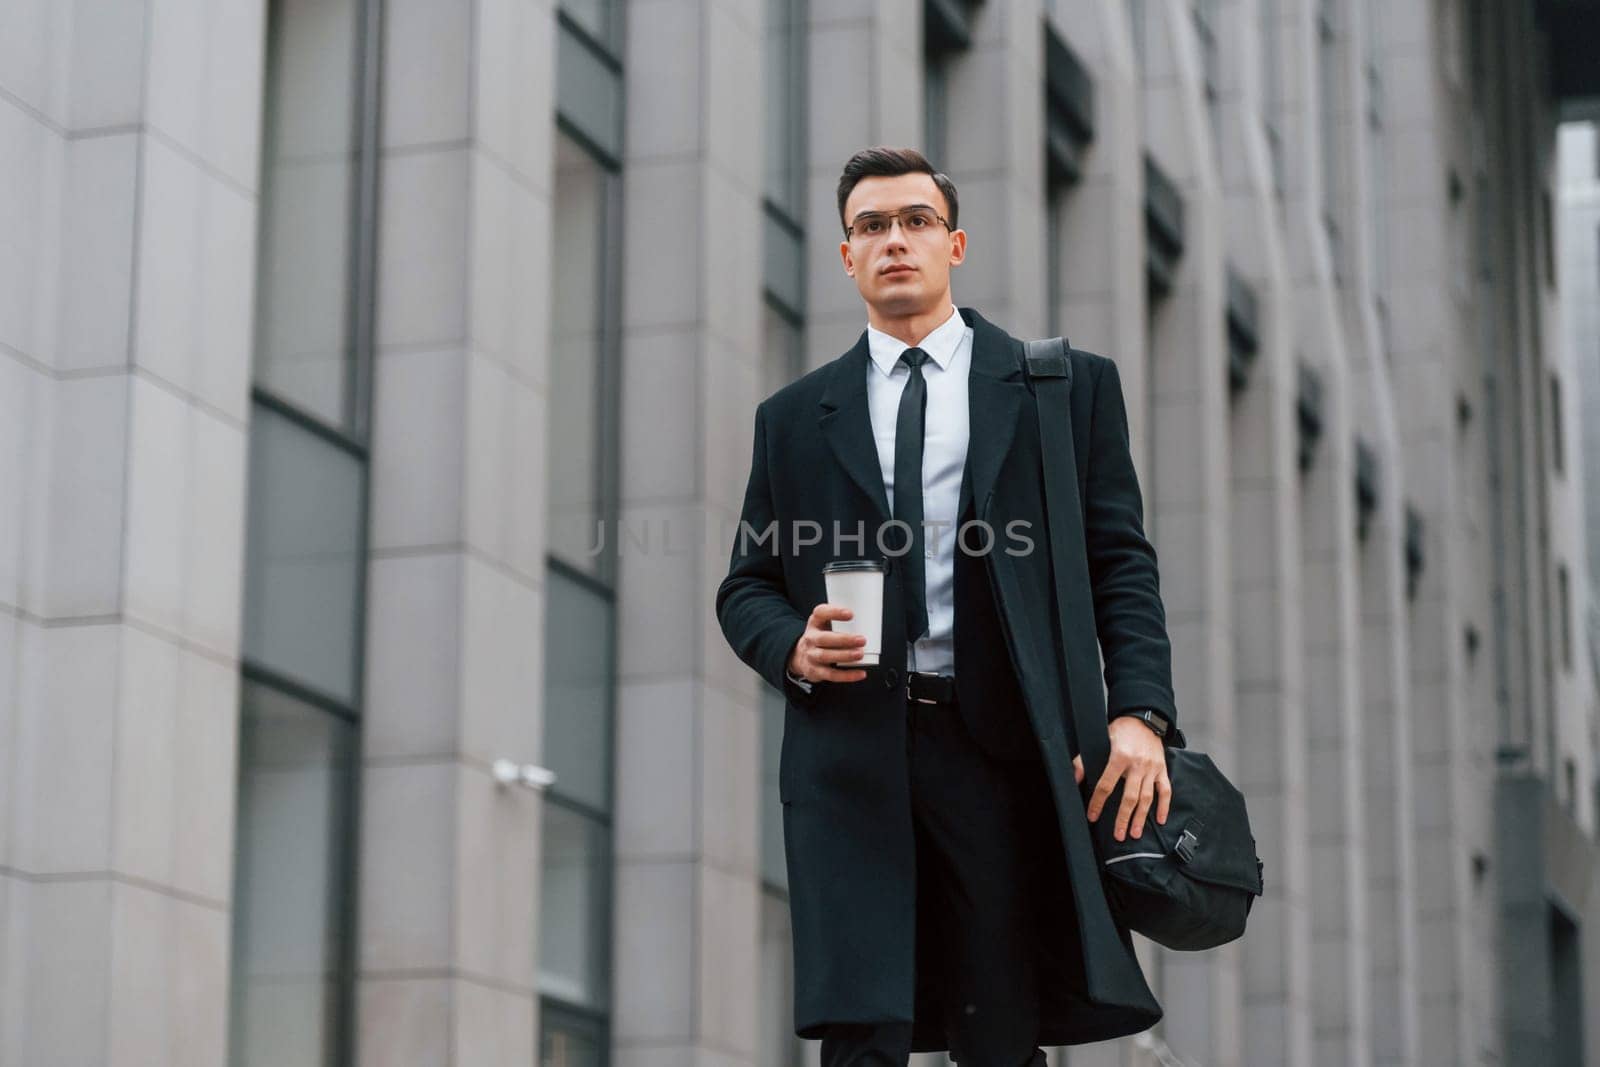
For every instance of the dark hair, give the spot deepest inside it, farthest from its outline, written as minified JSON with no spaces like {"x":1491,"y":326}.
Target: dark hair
{"x":881,"y":162}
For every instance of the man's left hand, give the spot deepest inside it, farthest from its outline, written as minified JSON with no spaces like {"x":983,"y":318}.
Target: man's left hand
{"x":1138,"y":755}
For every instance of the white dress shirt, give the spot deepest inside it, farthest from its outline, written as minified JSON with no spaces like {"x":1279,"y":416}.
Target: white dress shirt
{"x":944,"y":457}
{"x":945,"y":431}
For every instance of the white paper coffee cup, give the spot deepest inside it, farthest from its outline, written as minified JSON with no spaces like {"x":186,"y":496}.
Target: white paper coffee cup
{"x":857,"y":584}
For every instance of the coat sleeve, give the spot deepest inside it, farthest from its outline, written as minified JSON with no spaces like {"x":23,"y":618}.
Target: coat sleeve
{"x":1128,"y":613}
{"x":753,"y":607}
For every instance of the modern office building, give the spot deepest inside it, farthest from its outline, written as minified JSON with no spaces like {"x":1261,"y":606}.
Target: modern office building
{"x":1578,"y":275}
{"x":1578,"y":267}
{"x":332,"y":331}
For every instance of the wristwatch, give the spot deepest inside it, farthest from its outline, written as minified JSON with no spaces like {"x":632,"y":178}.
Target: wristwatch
{"x":1153,"y":719}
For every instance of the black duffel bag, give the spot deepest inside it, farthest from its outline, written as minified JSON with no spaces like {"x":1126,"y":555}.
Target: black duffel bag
{"x":1188,"y":883}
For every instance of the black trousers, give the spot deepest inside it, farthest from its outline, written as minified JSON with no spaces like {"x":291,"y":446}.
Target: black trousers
{"x":969,"y":814}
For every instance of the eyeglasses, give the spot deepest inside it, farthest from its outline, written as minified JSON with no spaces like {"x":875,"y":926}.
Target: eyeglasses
{"x":919,"y":218}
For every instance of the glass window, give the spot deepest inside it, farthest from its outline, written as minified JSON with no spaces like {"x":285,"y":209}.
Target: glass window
{"x":1136,"y":22}
{"x":936,"y":110}
{"x":571,"y":1039}
{"x":1558,"y":443}
{"x":1328,"y":69}
{"x":292,"y":938}
{"x":784,"y":253}
{"x":1272,"y":90}
{"x":1206,"y":24}
{"x":589,"y":90}
{"x":947,"y":31}
{"x":574,"y":908}
{"x":1378,"y":174}
{"x":1054,"y":280}
{"x":579,"y":678}
{"x":304,"y":349}
{"x":782,"y":357}
{"x":598,"y":18}
{"x":297,"y":773}
{"x":580,"y":659}
{"x":786,"y":111}
{"x":578,"y":356}
{"x":1564,"y":606}
{"x":304,"y":556}
{"x":783,"y":231}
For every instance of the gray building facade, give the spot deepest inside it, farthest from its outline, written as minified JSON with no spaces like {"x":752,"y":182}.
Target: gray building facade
{"x":376,"y":390}
{"x":1578,"y":271}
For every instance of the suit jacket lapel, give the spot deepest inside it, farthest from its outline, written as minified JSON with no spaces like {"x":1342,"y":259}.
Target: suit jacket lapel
{"x":994,"y":400}
{"x":846,"y":425}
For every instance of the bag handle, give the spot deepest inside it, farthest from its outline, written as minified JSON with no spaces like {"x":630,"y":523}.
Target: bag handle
{"x":1047,"y":369}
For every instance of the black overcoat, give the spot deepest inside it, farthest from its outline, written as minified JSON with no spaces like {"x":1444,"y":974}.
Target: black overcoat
{"x":843,"y":778}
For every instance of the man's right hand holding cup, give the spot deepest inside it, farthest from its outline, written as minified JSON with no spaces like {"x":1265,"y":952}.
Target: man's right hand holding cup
{"x":819,"y":654}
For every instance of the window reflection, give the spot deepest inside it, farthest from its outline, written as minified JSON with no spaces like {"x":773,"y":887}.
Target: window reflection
{"x":580,"y":659}
{"x":577,"y":353}
{"x":303,"y":556}
{"x":784,"y":57}
{"x":297,"y":772}
{"x":570,"y":1040}
{"x":574,"y":907}
{"x":310,"y":147}
{"x":598,"y":18}
{"x":578,"y":690}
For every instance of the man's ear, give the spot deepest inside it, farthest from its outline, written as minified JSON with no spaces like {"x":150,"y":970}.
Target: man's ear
{"x":958,"y":248}
{"x":847,"y":258}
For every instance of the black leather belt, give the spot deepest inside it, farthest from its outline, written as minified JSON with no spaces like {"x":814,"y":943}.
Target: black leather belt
{"x":930,"y":688}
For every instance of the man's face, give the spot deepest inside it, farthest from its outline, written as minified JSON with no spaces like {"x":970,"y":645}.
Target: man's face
{"x":902,"y":269}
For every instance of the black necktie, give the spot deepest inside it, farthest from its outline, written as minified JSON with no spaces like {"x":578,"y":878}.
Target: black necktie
{"x":908,"y":487}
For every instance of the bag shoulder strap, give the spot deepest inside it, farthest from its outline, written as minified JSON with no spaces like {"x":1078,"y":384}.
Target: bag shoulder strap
{"x":1048,"y":358}
{"x":1047,"y":368}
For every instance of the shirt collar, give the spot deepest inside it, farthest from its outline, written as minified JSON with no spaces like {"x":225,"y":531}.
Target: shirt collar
{"x":940,"y":344}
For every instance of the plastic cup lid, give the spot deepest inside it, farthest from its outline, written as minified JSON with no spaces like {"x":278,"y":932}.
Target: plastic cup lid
{"x":852,"y":565}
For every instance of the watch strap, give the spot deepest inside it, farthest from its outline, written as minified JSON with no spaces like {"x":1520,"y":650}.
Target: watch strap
{"x":1150,"y":717}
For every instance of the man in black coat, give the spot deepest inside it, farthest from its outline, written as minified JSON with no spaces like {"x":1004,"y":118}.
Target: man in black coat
{"x":943,"y":889}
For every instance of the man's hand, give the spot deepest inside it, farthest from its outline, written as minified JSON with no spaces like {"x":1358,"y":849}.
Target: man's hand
{"x":819,"y":652}
{"x":1138,"y":754}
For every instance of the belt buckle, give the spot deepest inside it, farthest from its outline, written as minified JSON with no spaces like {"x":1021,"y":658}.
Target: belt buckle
{"x":920,"y":700}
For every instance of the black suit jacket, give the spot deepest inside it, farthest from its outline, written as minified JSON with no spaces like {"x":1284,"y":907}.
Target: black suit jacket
{"x":815,"y":459}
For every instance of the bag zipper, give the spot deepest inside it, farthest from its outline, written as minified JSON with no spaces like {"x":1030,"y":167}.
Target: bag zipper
{"x":1136,"y":856}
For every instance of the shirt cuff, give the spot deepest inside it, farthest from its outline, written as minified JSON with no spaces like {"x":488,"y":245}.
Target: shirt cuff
{"x":801,"y":682}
